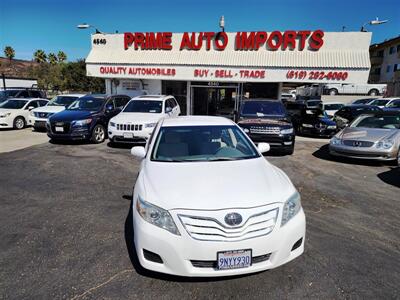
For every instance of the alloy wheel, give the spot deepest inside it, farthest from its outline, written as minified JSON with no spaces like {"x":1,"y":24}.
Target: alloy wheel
{"x":99,"y":134}
{"x":19,"y":123}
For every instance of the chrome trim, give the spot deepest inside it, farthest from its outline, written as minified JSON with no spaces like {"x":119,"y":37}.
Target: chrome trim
{"x":227,"y":238}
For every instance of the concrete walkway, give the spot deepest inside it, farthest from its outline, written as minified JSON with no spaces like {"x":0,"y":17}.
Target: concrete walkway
{"x":11,"y":140}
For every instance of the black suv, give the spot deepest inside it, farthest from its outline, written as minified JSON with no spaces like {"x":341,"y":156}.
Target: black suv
{"x":86,"y":118}
{"x":21,"y":93}
{"x":266,"y":120}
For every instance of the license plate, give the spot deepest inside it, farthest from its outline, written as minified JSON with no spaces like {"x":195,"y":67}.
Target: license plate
{"x":128,"y":135}
{"x":234,"y":259}
{"x":60,"y":129}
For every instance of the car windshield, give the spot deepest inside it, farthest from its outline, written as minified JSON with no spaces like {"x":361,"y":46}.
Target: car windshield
{"x":7,"y":94}
{"x":144,"y":106}
{"x":62,"y":101}
{"x":313,"y":103}
{"x":202,"y":143}
{"x":87,"y":103}
{"x":263,"y":108}
{"x":13,"y":104}
{"x":384,"y":122}
{"x":379,"y":102}
{"x":395,"y":104}
{"x":362,"y":101}
{"x":335,"y":106}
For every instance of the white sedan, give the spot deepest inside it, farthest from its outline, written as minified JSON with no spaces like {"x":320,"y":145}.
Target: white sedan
{"x":207,"y":203}
{"x":14,"y":113}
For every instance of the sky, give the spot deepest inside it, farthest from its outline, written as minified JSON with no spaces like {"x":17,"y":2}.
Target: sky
{"x":28,"y":25}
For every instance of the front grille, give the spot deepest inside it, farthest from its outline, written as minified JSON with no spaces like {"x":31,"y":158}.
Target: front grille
{"x":320,"y":126}
{"x":130,"y":127}
{"x":355,"y":143}
{"x":210,"y":229}
{"x":265,"y":129}
{"x":42,"y":114}
{"x":65,"y":125}
{"x":213,"y":263}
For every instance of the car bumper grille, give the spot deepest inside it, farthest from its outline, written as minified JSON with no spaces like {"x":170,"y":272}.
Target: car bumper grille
{"x":210,"y":229}
{"x":265,"y":130}
{"x":130,"y":127}
{"x":355,"y":143}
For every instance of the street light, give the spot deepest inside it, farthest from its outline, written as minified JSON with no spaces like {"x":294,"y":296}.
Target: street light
{"x":86,"y":26}
{"x":373,"y":22}
{"x":222,"y":23}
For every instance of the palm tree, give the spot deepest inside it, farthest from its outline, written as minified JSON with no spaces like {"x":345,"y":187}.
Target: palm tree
{"x":9,"y":52}
{"x":52,"y":58}
{"x":40,"y":56}
{"x":61,"y":56}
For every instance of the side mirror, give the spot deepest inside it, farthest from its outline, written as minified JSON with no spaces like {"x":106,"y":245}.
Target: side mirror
{"x":30,"y":107}
{"x":168,"y":110}
{"x":263,"y":147}
{"x":138,"y":152}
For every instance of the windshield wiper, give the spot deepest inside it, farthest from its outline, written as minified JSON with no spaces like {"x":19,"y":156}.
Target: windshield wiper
{"x":224,"y":158}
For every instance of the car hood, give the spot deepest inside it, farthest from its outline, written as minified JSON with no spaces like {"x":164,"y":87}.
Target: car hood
{"x":215,"y":185}
{"x":314,"y":120}
{"x":6,"y":110}
{"x":367,"y":134}
{"x":71,"y":115}
{"x":49,"y":109}
{"x":125,"y":117}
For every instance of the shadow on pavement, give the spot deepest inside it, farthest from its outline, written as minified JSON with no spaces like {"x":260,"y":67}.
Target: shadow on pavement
{"x":391,"y":177}
{"x":69,"y":142}
{"x":323,"y":153}
{"x":130,"y":245}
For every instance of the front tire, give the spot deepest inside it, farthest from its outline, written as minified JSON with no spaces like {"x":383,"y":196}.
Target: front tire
{"x":333,"y":92}
{"x":373,"y":92}
{"x":98,"y":134}
{"x":19,"y":123}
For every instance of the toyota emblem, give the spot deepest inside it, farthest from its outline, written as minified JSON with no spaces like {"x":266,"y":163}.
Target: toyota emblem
{"x":233,"y":219}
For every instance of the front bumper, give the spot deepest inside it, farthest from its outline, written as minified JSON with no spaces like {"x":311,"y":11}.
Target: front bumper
{"x":73,"y":133}
{"x":363,"y":153}
{"x":179,"y":252}
{"x":38,"y":123}
{"x":277,"y":142}
{"x":137,"y":136}
{"x":6,"y":122}
{"x":321,"y":132}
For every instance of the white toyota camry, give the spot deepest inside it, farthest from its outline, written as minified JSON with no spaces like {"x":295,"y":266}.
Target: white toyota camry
{"x":207,"y":203}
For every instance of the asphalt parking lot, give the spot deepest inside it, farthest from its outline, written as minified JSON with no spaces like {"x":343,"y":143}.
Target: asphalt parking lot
{"x":65,"y":230}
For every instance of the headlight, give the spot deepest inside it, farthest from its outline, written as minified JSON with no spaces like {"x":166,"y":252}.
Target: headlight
{"x":156,"y":216}
{"x":32,"y":113}
{"x":81,"y":122}
{"x":307,"y":125}
{"x":331,"y":127}
{"x":287,"y":131}
{"x":149,"y":125}
{"x":48,"y":122}
{"x":291,"y":208}
{"x":384,"y":144}
{"x":112,"y":124}
{"x":335,"y":141}
{"x":5,"y":115}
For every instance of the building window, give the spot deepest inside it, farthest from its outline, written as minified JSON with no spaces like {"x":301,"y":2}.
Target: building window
{"x":380,"y":53}
{"x":377,"y":71}
{"x":178,"y":90}
{"x":388,"y":69}
{"x":396,"y":67}
{"x":398,"y":48}
{"x":391,"y":50}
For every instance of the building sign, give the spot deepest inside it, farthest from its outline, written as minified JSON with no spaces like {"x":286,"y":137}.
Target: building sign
{"x":275,"y":40}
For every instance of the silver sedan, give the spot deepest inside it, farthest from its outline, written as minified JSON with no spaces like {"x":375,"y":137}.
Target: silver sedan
{"x":372,"y":136}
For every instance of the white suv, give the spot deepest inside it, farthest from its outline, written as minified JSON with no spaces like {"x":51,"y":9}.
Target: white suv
{"x":39,"y":116}
{"x":139,"y":117}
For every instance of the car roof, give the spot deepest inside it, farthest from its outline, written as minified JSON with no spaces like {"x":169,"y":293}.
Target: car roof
{"x":384,"y":113}
{"x":152,"y":97}
{"x":361,"y":106}
{"x":197,"y":121}
{"x":333,"y":102}
{"x":72,"y":95}
{"x":390,"y":98}
{"x":261,"y":99}
{"x":28,"y":99}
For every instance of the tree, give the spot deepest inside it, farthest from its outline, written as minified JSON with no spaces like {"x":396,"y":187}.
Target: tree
{"x":52,"y":58}
{"x":40,"y":56}
{"x":9,"y":52}
{"x":62,"y":57}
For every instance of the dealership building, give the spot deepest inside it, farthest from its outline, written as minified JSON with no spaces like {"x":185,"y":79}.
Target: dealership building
{"x":211,"y":72}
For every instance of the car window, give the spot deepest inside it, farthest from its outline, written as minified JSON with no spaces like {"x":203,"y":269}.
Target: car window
{"x":335,"y":106}
{"x":395,"y":104}
{"x":23,"y":94}
{"x":144,"y":106}
{"x":33,"y":104}
{"x":110,"y":104}
{"x":263,"y":108}
{"x":13,"y":104}
{"x":202,"y":143}
{"x":120,"y":102}
{"x":383,"y":122}
{"x":42,"y":102}
{"x":36,"y":94}
{"x":168,"y":103}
